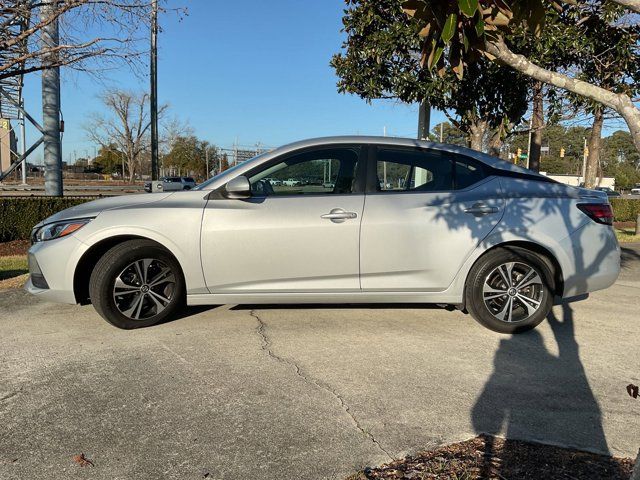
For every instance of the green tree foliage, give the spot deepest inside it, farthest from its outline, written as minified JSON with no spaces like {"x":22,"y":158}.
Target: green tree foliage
{"x":110,"y":159}
{"x":188,"y":156}
{"x":450,"y":134}
{"x":609,"y":60}
{"x":619,"y":157}
{"x":381,"y":59}
{"x":458,"y":33}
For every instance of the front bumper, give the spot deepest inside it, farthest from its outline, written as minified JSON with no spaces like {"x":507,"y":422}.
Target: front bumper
{"x":52,"y":264}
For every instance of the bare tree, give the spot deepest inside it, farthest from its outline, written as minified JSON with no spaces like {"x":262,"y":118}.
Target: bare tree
{"x":171,"y":129}
{"x":127,"y":125}
{"x":93,"y":33}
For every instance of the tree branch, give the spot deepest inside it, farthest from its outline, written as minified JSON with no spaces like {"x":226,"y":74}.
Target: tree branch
{"x":619,"y":102}
{"x":630,"y":4}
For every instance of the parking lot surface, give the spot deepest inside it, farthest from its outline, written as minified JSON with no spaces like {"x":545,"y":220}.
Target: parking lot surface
{"x":306,"y":392}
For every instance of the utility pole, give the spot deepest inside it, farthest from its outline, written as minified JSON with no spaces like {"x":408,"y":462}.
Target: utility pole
{"x":206,"y":157}
{"x":51,"y":103}
{"x":424,"y":119}
{"x":154,"y":90}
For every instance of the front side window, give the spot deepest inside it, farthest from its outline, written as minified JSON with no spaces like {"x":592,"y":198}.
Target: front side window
{"x":330,"y":171}
{"x":407,"y":170}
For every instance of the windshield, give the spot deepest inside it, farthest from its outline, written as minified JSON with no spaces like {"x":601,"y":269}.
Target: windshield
{"x":204,"y":185}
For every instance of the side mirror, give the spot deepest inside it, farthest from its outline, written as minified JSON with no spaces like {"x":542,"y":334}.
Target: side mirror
{"x":239,"y":188}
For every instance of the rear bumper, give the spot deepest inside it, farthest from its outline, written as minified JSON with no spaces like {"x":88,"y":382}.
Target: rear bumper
{"x":594,"y":254}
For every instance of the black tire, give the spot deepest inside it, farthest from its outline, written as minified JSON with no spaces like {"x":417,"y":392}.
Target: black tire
{"x":487,"y":310}
{"x":113,"y":265}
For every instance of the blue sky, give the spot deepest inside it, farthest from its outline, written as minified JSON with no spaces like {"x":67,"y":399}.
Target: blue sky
{"x":256,"y":72}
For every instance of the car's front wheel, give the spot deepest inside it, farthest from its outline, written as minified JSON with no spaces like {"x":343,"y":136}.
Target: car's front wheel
{"x":510,"y":290}
{"x":136,"y":284}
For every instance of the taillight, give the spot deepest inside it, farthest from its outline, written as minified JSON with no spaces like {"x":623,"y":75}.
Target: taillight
{"x":598,"y":212}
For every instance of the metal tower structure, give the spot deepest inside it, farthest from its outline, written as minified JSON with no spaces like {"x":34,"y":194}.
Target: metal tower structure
{"x":11,"y":92}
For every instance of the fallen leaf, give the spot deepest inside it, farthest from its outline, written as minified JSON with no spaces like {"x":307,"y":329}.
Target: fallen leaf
{"x":82,"y":460}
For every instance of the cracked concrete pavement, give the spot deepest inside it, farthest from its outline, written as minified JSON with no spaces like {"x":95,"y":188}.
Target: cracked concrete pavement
{"x":305,"y":392}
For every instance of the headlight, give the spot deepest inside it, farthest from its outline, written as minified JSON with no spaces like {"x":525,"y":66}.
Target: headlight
{"x":59,"y":229}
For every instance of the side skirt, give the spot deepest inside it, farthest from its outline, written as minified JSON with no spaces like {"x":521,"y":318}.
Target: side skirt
{"x":327,"y":298}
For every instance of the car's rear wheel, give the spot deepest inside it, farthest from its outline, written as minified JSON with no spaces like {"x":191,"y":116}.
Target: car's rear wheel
{"x":136,"y":284}
{"x":510,"y":290}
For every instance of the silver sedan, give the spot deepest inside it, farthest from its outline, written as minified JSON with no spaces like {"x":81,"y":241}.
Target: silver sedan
{"x":337,"y":220}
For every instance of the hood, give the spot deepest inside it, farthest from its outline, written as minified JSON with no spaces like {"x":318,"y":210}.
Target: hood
{"x":93,"y":208}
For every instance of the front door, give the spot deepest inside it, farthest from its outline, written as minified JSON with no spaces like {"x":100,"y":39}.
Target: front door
{"x":299,"y":232}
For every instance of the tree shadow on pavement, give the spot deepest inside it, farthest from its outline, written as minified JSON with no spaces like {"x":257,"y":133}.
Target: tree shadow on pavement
{"x":537,"y":396}
{"x":629,"y":255}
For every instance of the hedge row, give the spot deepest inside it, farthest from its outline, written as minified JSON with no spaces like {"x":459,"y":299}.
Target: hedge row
{"x":625,"y":209}
{"x":18,"y":215}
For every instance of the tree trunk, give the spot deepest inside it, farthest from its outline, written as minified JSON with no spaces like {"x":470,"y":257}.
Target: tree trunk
{"x":132,"y":168}
{"x":618,"y":102}
{"x":537,"y":125}
{"x":595,"y":139}
{"x":476,"y":134}
{"x":495,"y":143}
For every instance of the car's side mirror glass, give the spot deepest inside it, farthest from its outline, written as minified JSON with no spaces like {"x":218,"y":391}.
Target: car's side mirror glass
{"x":239,"y":187}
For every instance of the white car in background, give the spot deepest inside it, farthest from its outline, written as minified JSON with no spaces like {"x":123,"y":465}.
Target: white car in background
{"x":464,"y":229}
{"x":635,"y":190}
{"x":172,"y":184}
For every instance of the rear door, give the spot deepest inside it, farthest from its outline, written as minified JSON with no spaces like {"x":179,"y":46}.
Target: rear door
{"x":425,"y":212}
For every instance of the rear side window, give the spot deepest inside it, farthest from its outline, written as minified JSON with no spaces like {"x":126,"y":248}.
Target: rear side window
{"x":413,"y":170}
{"x":466,"y":173}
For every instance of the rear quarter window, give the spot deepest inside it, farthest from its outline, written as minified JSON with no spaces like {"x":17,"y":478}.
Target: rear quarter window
{"x":467,"y":173}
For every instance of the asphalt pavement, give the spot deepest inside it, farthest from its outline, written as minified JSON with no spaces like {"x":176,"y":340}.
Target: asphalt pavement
{"x":306,"y":392}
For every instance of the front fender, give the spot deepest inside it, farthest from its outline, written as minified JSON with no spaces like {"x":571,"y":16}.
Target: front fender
{"x":184,"y":243}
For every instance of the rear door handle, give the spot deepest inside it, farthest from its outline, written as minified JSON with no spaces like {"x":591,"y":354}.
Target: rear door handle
{"x":481,"y":209}
{"x":338,"y":215}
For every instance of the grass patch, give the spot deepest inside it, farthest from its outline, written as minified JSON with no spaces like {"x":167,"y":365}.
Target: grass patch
{"x":13,"y":266}
{"x":626,"y":235}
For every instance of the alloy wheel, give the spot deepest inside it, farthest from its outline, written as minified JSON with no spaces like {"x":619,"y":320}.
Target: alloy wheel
{"x":144,"y":288}
{"x":513,"y":292}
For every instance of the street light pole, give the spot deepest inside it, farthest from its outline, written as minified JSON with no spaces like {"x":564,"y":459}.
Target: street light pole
{"x":154,"y":90}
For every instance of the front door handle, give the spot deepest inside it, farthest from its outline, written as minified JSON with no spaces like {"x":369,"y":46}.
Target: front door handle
{"x":481,"y":209}
{"x":338,"y":215}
